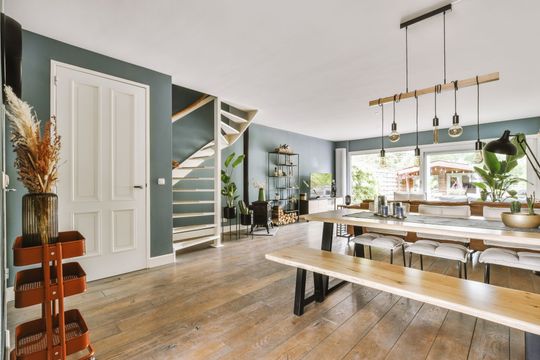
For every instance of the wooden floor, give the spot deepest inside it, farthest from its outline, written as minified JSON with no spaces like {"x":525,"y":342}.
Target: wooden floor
{"x":230,"y":303}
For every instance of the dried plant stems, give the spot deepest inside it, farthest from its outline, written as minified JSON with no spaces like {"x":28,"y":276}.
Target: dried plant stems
{"x":37,"y":155}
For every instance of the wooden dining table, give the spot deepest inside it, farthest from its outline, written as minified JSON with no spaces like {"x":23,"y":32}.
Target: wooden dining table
{"x":473,"y":227}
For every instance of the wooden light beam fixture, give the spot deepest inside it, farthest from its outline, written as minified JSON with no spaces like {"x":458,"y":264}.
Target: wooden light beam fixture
{"x":482,"y":79}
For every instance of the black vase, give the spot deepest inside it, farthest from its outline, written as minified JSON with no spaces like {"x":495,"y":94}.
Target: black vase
{"x":245,"y":219}
{"x":229,"y":212}
{"x":39,"y":219}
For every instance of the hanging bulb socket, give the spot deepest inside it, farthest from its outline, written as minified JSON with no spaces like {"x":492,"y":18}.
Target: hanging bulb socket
{"x":382,"y":158}
{"x":435,"y":130}
{"x":417,"y":156}
{"x":478,"y":156}
{"x":455,"y":130}
{"x":394,"y":135}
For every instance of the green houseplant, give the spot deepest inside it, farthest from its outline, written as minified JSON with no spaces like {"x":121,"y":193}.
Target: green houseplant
{"x":229,"y":188}
{"x":245,"y":213}
{"x":496,"y":177}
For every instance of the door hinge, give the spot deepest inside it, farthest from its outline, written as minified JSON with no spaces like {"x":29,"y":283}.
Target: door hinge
{"x":55,"y":79}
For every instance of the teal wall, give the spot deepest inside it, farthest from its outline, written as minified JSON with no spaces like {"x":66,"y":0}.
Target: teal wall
{"x":487,"y":131}
{"x":38,"y":51}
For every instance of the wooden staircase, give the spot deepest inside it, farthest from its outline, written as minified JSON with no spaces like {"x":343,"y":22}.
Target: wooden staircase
{"x":196,"y":180}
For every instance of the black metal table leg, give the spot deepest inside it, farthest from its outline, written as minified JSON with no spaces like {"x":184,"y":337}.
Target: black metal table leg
{"x":532,"y":346}
{"x":300,"y":292}
{"x":358,"y":248}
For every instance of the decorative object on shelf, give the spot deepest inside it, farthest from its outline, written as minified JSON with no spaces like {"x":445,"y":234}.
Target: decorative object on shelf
{"x":394,"y":135}
{"x":455,"y":130}
{"x":37,"y":157}
{"x":382,"y":157}
{"x":284,"y":149}
{"x":436,"y":91}
{"x":496,"y":177}
{"x":260,"y":186}
{"x":175,"y":164}
{"x":516,"y":148}
{"x":229,"y":187}
{"x":516,"y":219}
{"x":347,"y":200}
{"x":478,"y":145}
{"x":276,"y":172}
{"x":417,"y":159}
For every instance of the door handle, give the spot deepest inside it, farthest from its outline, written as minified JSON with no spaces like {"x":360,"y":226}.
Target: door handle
{"x":138,"y":186}
{"x":8,"y":190}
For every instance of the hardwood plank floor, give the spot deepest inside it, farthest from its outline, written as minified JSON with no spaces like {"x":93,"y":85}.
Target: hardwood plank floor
{"x":230,"y":303}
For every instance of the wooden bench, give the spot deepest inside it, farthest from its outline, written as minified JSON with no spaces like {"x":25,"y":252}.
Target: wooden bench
{"x":513,"y":308}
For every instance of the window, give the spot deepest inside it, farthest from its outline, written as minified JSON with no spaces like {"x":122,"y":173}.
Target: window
{"x":451,"y":176}
{"x":368,"y":179}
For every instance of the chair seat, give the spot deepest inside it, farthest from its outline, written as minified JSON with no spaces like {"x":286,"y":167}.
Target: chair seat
{"x":443,"y":237}
{"x":506,"y":257}
{"x":440,"y":250}
{"x":379,"y":241}
{"x":385,"y":232}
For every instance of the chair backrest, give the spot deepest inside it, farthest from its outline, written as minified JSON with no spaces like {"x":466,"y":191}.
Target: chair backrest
{"x":417,"y":196}
{"x":436,"y":210}
{"x":401,"y":196}
{"x":494,"y":213}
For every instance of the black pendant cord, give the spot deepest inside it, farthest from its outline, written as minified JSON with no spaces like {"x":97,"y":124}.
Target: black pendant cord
{"x":382,"y":126}
{"x":477,"y":109}
{"x":406,"y":60}
{"x":455,"y":95}
{"x":435,"y":92}
{"x":394,"y":111}
{"x":416,"y":99}
{"x":444,"y":45}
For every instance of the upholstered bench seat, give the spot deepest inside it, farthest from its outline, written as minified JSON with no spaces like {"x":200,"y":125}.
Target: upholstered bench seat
{"x":441,"y":250}
{"x":506,"y":257}
{"x":381,"y":241}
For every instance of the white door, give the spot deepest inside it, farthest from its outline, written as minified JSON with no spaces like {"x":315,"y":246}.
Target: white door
{"x":102,"y":178}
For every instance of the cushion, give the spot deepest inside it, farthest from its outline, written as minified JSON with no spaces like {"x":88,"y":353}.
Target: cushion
{"x":384,"y":231}
{"x":443,"y":237}
{"x":452,"y":252}
{"x":498,"y":256}
{"x":528,"y":258}
{"x":387,"y":242}
{"x":423,"y":247}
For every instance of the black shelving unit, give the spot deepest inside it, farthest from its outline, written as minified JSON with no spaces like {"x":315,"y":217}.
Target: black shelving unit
{"x":286,"y":183}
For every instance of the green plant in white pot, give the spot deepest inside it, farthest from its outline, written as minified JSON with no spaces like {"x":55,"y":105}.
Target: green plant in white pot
{"x":229,"y":188}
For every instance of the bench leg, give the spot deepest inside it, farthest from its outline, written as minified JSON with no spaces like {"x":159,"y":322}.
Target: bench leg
{"x":358,"y":250}
{"x":370,"y":256}
{"x":300,"y":292}
{"x":465,"y":270}
{"x":403,"y":250}
{"x":459,"y":267}
{"x":532,"y":346}
{"x":486,"y":273}
{"x":421,"y":262}
{"x":410,"y":259}
{"x":391,"y":255}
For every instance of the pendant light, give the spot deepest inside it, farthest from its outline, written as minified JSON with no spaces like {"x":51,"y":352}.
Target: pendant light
{"x":478,"y":145}
{"x":417,"y":149}
{"x":455,"y":130}
{"x":382,"y":158}
{"x":394,"y":135}
{"x":435,"y":118}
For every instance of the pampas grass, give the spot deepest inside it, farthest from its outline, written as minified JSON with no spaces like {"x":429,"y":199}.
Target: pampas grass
{"x":37,"y":154}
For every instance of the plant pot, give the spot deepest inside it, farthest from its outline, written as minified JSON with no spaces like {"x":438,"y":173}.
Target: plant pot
{"x":245,"y":219}
{"x":39,"y":219}
{"x":521,"y":220}
{"x":262,"y":195}
{"x":229,"y":212}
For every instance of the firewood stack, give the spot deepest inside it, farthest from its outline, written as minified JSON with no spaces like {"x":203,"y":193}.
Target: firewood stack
{"x":280,"y":217}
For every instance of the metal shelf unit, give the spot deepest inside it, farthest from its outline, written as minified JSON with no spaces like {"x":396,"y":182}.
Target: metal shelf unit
{"x":283,"y":190}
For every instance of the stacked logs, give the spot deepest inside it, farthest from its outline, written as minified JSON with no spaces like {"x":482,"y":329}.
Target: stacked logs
{"x":280,"y":217}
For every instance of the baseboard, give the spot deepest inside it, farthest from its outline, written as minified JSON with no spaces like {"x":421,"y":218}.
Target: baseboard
{"x":10,"y":294}
{"x":161,"y":260}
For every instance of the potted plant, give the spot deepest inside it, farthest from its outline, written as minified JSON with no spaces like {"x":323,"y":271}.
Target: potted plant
{"x":245,"y":213}
{"x":260,"y":186}
{"x":496,"y":177}
{"x":229,"y":188}
{"x":37,"y":156}
{"x":516,"y":219}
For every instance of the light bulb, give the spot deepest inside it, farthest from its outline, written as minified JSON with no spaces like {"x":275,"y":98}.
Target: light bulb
{"x":394,"y":135}
{"x":478,"y":156}
{"x":382,"y":159}
{"x":417,"y":160}
{"x":435,"y":130}
{"x":455,"y":130}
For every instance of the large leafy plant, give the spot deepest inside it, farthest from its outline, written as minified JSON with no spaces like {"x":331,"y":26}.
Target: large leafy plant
{"x":495,"y":173}
{"x":229,"y":187}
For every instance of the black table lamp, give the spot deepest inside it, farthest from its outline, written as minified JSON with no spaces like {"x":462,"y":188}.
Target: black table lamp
{"x":504,"y":146}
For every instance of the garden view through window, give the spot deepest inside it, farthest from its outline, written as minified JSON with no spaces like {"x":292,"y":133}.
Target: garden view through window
{"x":449,"y":176}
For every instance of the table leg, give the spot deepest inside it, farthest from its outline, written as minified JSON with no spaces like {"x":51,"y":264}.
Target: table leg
{"x":532,"y":346}
{"x":358,"y":248}
{"x":300,"y":292}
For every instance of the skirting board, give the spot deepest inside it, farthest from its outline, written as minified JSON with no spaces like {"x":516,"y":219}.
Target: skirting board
{"x":161,"y":260}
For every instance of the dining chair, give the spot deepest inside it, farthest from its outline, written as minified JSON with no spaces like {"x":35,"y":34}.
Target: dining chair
{"x":503,"y":253}
{"x":453,"y":248}
{"x":383,"y":239}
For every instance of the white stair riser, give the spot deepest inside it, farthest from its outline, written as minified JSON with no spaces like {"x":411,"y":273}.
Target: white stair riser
{"x":193,"y":234}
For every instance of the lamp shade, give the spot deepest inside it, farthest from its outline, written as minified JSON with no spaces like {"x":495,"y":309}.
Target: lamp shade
{"x":502,"y":145}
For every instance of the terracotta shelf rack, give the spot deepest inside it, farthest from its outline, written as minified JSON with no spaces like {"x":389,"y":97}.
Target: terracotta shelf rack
{"x":57,"y":333}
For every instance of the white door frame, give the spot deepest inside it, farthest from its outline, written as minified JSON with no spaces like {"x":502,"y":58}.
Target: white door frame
{"x":56,"y":64}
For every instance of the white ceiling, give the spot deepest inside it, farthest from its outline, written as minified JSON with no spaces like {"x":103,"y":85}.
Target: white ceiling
{"x":312,"y":66}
